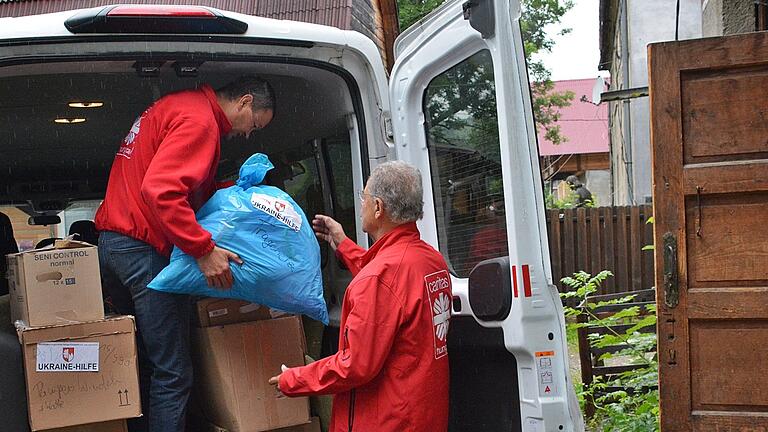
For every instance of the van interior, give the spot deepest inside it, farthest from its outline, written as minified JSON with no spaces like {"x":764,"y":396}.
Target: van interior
{"x":62,"y":122}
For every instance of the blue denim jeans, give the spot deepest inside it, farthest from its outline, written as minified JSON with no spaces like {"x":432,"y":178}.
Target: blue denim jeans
{"x":162,"y":321}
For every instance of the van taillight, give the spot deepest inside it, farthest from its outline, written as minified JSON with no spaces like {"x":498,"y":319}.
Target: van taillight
{"x":152,"y":10}
{"x":154,"y":19}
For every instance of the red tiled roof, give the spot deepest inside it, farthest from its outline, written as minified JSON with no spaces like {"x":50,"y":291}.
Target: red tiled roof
{"x":583,"y":123}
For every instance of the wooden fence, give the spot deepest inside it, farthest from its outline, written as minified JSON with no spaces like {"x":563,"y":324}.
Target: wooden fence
{"x":602,"y":238}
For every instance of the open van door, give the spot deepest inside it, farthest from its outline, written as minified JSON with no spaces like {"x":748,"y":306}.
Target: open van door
{"x":462,"y":114}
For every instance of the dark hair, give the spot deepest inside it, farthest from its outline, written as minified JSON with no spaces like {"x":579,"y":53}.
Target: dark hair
{"x":263,"y":95}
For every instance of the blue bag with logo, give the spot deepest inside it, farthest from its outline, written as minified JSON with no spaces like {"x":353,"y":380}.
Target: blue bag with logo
{"x":269,"y":231}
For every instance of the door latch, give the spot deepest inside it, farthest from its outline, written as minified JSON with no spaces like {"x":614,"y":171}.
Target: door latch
{"x":671,"y":286}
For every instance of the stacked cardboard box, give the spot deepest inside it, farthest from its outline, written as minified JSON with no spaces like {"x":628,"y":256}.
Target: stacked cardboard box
{"x":111,"y":426}
{"x":312,"y":426}
{"x":57,"y":285}
{"x":80,"y":369}
{"x":233,"y":363}
{"x":216,"y":312}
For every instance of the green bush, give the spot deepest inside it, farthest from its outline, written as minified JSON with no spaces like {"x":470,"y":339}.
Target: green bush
{"x":637,"y":407}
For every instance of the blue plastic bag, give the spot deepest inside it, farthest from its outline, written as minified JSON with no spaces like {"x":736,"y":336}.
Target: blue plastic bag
{"x":269,"y":231}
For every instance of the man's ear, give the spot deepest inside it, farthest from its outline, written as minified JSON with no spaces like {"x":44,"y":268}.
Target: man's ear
{"x":244,"y":101}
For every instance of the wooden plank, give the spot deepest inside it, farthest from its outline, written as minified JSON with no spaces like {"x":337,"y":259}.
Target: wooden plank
{"x":731,"y":246}
{"x":716,"y":346}
{"x":714,"y":178}
{"x":718,"y":126}
{"x":708,"y":421}
{"x":620,"y":329}
{"x":569,"y":237}
{"x":555,"y":249}
{"x":609,"y":261}
{"x":614,"y":370}
{"x":648,"y":254}
{"x":739,"y":50}
{"x":729,"y":303}
{"x":613,"y":349}
{"x":582,"y":240}
{"x":585,"y":360}
{"x":622,"y":250}
{"x":595,"y":244}
{"x":668,"y":212}
{"x":635,"y":247}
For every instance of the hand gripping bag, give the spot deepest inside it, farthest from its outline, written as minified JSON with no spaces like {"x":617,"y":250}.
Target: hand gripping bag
{"x":269,"y":231}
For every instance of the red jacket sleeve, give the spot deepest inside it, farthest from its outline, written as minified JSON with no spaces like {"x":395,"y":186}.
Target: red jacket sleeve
{"x":181,"y":164}
{"x":368,"y":335}
{"x":351,"y":254}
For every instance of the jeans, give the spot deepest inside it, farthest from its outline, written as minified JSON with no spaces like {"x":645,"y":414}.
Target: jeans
{"x":163,"y":333}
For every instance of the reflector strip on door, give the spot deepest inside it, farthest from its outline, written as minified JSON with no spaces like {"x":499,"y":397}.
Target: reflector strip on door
{"x":526,"y":281}
{"x":514,"y":280}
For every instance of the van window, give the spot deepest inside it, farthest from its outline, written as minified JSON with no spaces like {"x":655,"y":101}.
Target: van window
{"x":340,"y":169}
{"x":465,"y":163}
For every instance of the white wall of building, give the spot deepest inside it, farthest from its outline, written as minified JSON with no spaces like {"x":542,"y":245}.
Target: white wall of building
{"x":646,"y":22}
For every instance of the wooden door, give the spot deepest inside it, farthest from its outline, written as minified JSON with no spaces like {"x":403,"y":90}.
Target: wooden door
{"x":709,"y":128}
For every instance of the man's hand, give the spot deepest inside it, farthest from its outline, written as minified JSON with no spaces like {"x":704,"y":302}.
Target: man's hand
{"x":215,"y":267}
{"x":275,"y":381}
{"x":329,"y":230}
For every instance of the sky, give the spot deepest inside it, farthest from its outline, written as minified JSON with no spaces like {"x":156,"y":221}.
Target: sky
{"x":576,"y":54}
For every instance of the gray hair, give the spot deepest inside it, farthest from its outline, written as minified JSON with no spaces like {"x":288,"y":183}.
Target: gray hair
{"x":263,"y":95}
{"x":398,"y":185}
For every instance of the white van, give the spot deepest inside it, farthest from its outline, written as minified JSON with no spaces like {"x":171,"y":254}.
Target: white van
{"x":457,"y":105}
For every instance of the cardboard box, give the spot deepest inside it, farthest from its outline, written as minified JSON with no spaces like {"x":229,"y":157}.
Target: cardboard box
{"x":81,"y":373}
{"x":232,"y":366}
{"x":57,"y":285}
{"x":217,"y":311}
{"x":111,"y":426}
{"x":313,"y":426}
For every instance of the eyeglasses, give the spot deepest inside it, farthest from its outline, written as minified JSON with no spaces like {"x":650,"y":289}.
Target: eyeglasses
{"x":362,"y":195}
{"x":256,"y":126}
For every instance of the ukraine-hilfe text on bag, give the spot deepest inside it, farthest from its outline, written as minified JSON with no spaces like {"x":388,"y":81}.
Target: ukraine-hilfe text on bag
{"x":269,"y":231}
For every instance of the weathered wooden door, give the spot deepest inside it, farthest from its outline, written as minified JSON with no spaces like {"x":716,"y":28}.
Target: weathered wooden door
{"x":709,"y":116}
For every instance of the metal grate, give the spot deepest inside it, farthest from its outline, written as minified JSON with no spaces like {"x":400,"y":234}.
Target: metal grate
{"x":465,"y":163}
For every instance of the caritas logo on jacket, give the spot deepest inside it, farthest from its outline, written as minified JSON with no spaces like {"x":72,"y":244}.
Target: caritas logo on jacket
{"x":438,"y":287}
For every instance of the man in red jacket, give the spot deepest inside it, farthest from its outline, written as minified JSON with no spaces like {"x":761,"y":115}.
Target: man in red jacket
{"x":391,"y":371}
{"x":162,"y":173}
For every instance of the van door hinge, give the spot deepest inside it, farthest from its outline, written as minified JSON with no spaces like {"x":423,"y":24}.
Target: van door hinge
{"x":481,"y":16}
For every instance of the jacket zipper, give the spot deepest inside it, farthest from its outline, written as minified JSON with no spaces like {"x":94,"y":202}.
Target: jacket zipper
{"x":345,"y":345}
{"x":351,"y":409}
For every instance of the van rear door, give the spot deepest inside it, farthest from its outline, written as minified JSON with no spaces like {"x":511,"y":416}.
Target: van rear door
{"x":462,"y":113}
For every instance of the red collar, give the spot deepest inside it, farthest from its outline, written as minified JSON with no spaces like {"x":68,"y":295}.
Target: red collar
{"x":406,"y":232}
{"x":221,"y":119}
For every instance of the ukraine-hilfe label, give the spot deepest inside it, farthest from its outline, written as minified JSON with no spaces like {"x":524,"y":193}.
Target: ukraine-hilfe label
{"x":438,"y":286}
{"x":67,"y":357}
{"x":279,"y":209}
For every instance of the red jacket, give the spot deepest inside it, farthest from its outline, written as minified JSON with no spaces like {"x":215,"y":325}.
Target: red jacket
{"x":391,"y":370}
{"x":164,"y":171}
